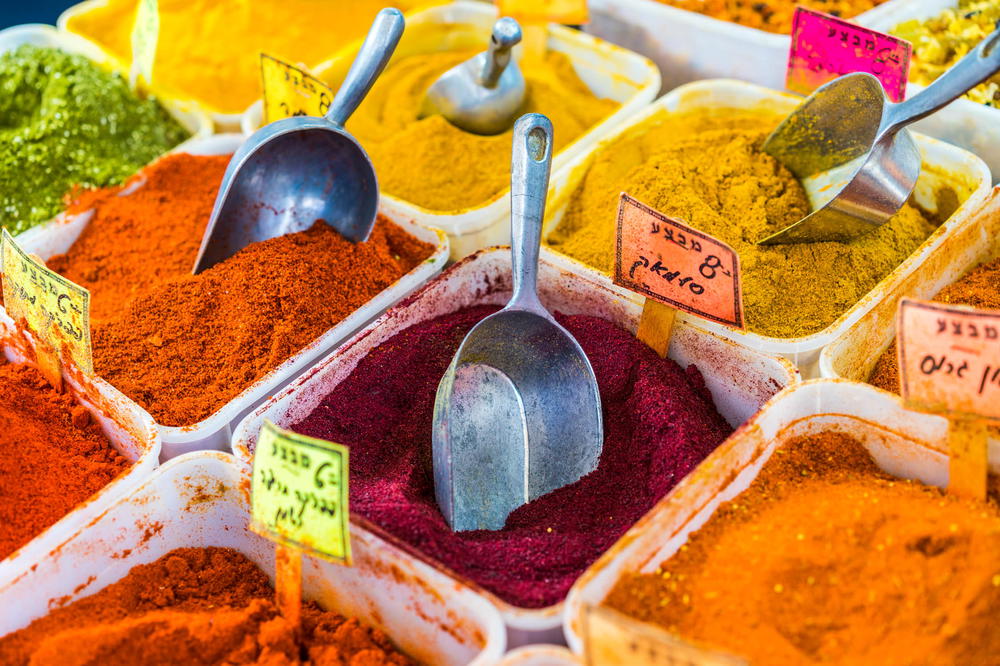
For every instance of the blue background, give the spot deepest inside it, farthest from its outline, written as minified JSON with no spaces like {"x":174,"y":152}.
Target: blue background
{"x":13,"y":12}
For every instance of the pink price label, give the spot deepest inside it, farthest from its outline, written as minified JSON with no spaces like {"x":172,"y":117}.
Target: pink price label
{"x":949,"y":358}
{"x":825,"y":47}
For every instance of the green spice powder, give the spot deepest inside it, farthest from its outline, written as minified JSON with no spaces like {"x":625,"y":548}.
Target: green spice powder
{"x":66,"y":122}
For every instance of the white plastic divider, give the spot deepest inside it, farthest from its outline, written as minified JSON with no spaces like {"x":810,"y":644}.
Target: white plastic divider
{"x":127,"y":426}
{"x":903,"y":443}
{"x":739,"y":379}
{"x":199,"y":500}
{"x":688,"y":46}
{"x":608,"y":70}
{"x":214,"y":432}
{"x":945,"y":167}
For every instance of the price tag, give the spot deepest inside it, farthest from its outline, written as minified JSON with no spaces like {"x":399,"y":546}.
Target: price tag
{"x":666,"y":260}
{"x":825,"y":47}
{"x":290,"y":91}
{"x":612,"y":639}
{"x":299,"y":493}
{"x":145,"y":34}
{"x":56,"y":310}
{"x":572,"y":12}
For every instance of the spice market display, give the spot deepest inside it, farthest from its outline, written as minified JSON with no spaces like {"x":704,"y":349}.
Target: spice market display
{"x":455,"y":332}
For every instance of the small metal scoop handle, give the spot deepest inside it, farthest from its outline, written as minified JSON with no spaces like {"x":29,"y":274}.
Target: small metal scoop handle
{"x":506,"y":35}
{"x":529,"y":183}
{"x":384,"y":35}
{"x":977,"y":66}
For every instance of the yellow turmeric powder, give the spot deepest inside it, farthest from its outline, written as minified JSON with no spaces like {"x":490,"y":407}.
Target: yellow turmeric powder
{"x":435,"y":165}
{"x":708,"y":169}
{"x":209,"y":50}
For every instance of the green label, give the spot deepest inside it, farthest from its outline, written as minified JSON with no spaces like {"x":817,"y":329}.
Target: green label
{"x":145,"y":33}
{"x":299,"y":493}
{"x":55,"y":310}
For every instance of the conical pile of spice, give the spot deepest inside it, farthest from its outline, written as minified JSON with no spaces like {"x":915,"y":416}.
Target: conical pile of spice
{"x":193,"y":607}
{"x":53,"y":456}
{"x":659,"y":423}
{"x":184,"y":345}
{"x":827,"y":559}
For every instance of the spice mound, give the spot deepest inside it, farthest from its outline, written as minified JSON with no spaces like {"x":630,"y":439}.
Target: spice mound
{"x":941,"y":41}
{"x":827,"y":559}
{"x":435,"y":165}
{"x":709,"y":170}
{"x":979,"y":289}
{"x":218,"y":64}
{"x":65,"y":122}
{"x":53,"y":456}
{"x":184,"y":345}
{"x":771,"y":15}
{"x":193,"y":606}
{"x":659,"y":423}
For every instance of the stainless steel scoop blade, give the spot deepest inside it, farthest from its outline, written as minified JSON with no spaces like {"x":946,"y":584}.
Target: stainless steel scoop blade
{"x":294,"y":171}
{"x":847,"y":145}
{"x":518,"y":413}
{"x":484,"y":94}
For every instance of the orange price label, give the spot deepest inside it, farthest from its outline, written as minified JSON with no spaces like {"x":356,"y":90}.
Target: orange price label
{"x":949,"y":358}
{"x":668,"y":261}
{"x":572,"y":12}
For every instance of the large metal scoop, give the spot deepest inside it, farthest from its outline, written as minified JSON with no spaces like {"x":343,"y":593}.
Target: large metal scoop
{"x":484,"y":94}
{"x":847,"y":144}
{"x":518,"y":413}
{"x":294,"y":171}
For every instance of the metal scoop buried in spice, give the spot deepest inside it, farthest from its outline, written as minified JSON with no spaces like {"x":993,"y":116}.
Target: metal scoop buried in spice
{"x":517,"y":413}
{"x":484,"y":94}
{"x":294,"y":171}
{"x":848,"y":146}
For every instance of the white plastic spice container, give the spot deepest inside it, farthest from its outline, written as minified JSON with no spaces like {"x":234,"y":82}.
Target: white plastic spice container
{"x":214,"y":432}
{"x":688,"y":46}
{"x":973,"y":126}
{"x":200,"y":500}
{"x":540,"y":655}
{"x":609,"y":71}
{"x":946,"y":167}
{"x":903,"y":443}
{"x":740,"y":380}
{"x":129,"y":429}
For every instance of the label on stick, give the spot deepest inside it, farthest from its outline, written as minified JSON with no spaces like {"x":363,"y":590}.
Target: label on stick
{"x":299,"y":493}
{"x":290,"y":91}
{"x":666,"y":260}
{"x":949,"y":358}
{"x":825,"y":47}
{"x":572,"y":12}
{"x":145,"y":35}
{"x":56,"y":310}
{"x":612,"y":639}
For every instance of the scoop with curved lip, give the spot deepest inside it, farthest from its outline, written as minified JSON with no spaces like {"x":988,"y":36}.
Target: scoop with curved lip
{"x":518,"y":413}
{"x":294,"y":171}
{"x":848,"y":146}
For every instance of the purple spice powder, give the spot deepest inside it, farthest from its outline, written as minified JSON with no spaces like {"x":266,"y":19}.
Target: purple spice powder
{"x":659,"y":423}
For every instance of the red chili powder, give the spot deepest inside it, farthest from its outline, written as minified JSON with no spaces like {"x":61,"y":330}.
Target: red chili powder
{"x":193,"y":606}
{"x":659,"y":423}
{"x":52,"y":456}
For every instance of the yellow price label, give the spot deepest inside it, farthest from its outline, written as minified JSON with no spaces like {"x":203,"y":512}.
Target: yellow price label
{"x":290,"y":91}
{"x":56,"y":310}
{"x":145,"y":34}
{"x":573,"y":12}
{"x":299,"y":493}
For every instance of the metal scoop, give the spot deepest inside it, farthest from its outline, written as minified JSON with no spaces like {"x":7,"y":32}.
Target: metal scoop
{"x":847,"y":145}
{"x":294,"y":171}
{"x":484,"y":94}
{"x":518,"y":413}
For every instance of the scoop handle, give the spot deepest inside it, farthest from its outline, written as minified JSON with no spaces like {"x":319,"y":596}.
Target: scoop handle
{"x":506,"y":35}
{"x":383,"y":36}
{"x":531,"y":161}
{"x":977,"y":66}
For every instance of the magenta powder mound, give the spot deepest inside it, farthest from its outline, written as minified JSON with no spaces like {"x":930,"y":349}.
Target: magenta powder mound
{"x":659,"y":423}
